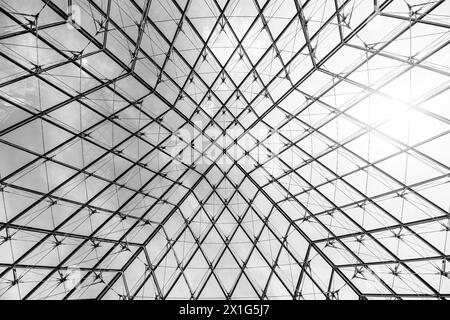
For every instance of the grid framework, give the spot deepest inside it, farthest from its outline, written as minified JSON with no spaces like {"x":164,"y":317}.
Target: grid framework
{"x":213,"y":149}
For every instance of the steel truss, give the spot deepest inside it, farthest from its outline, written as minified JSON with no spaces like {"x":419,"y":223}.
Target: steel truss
{"x":317,"y":163}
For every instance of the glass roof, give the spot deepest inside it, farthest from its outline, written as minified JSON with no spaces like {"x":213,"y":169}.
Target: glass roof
{"x":224,"y":149}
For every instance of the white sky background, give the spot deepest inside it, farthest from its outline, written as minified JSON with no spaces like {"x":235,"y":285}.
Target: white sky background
{"x":345,"y":150}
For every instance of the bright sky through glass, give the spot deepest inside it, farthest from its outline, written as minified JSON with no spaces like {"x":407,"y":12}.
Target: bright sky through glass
{"x":212,"y":149}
